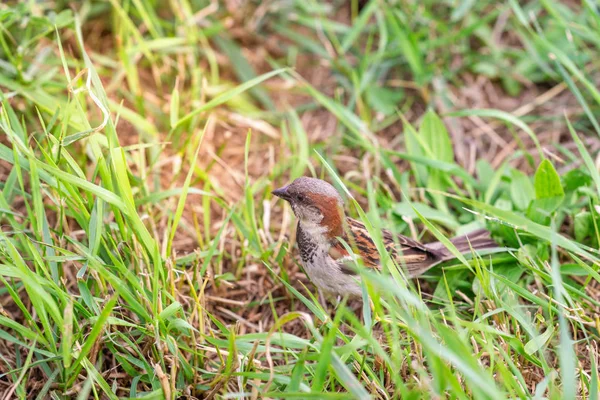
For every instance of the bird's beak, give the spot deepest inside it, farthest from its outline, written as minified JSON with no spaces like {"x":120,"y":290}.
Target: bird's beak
{"x":282,"y":193}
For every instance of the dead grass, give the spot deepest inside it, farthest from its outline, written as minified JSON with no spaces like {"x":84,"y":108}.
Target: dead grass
{"x":244,"y":303}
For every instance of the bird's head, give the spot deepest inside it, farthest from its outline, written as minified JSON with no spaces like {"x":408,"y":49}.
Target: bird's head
{"x":315,"y":202}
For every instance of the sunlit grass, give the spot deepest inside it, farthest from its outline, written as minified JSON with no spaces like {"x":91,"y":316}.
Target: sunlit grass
{"x":143,"y":256}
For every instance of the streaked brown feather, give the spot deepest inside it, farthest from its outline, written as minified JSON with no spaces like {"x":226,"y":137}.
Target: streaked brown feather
{"x":414,"y":256}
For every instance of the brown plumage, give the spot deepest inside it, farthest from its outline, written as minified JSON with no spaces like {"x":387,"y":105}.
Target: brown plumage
{"x":414,"y":257}
{"x":322,"y":223}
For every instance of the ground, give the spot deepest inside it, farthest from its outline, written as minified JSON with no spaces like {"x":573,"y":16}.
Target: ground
{"x":143,"y":255}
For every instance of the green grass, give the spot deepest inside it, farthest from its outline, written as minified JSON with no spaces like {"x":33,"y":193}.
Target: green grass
{"x":143,"y":256}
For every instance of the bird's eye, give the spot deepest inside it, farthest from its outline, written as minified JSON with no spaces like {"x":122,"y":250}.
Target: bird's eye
{"x":300,"y":197}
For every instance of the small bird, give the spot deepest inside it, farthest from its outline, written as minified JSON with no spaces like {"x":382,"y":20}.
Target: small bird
{"x":322,"y":222}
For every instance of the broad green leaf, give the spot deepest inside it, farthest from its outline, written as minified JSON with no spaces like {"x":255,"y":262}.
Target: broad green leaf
{"x":585,"y":155}
{"x":522,"y":191}
{"x":582,"y":225}
{"x":436,"y":136}
{"x":575,"y":179}
{"x":526,"y":225}
{"x":67,"y":335}
{"x":547,"y":182}
{"x":548,"y":189}
{"x":535,"y":344}
{"x":170,"y":311}
{"x":383,"y":100}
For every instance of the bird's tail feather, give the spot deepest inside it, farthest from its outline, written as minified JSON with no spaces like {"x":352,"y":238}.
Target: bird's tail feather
{"x":476,"y":240}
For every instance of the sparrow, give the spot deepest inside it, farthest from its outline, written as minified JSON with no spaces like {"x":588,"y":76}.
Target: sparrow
{"x":323,"y":227}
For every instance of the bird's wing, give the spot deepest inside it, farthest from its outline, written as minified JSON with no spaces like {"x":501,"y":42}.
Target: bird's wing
{"x":408,"y":253}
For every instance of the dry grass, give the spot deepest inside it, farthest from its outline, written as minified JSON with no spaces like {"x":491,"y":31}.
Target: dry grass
{"x":244,"y":285}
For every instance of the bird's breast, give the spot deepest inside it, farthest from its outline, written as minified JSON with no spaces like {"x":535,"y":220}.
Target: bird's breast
{"x":311,"y":239}
{"x":321,"y":268}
